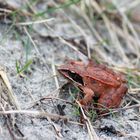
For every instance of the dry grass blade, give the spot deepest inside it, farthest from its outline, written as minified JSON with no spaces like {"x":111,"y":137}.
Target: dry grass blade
{"x":112,"y":34}
{"x":121,"y":109}
{"x":9,"y":101}
{"x":10,"y":92}
{"x":91,"y":131}
{"x":54,"y":73}
{"x":36,"y":48}
{"x":128,"y":6}
{"x":81,"y":55}
{"x":11,"y":8}
{"x":34,"y":22}
{"x":5,"y":10}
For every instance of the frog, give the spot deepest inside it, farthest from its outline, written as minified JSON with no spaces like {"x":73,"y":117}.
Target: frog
{"x":96,"y":80}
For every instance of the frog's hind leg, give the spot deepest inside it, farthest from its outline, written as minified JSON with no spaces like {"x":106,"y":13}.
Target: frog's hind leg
{"x":112,"y":99}
{"x":88,"y":96}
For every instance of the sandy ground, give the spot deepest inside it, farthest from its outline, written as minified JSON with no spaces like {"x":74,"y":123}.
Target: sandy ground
{"x":50,"y":50}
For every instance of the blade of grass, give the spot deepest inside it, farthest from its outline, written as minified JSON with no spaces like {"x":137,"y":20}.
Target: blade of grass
{"x":25,"y":67}
{"x":62,"y":6}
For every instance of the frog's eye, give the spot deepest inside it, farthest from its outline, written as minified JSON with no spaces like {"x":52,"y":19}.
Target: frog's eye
{"x":73,"y":76}
{"x":76,"y":77}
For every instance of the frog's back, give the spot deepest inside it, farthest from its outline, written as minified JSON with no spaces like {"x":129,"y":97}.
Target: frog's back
{"x":104,"y":75}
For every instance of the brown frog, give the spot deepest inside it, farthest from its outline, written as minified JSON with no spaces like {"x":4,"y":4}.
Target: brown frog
{"x":96,"y":80}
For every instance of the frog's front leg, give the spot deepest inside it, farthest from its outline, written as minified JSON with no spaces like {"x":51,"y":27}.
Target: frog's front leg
{"x":111,"y":99}
{"x":88,"y":95}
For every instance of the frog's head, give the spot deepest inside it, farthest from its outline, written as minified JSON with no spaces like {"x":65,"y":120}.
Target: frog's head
{"x":74,"y":71}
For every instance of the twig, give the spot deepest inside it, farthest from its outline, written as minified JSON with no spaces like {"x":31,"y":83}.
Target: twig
{"x":48,"y":98}
{"x":36,"y":113}
{"x":134,"y":90}
{"x":133,"y":98}
{"x":40,"y":114}
{"x":120,"y":109}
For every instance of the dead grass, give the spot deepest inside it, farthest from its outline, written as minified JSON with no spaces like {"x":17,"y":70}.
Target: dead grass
{"x":106,"y":30}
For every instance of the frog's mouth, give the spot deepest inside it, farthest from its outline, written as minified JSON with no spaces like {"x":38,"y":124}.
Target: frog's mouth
{"x":72,"y":76}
